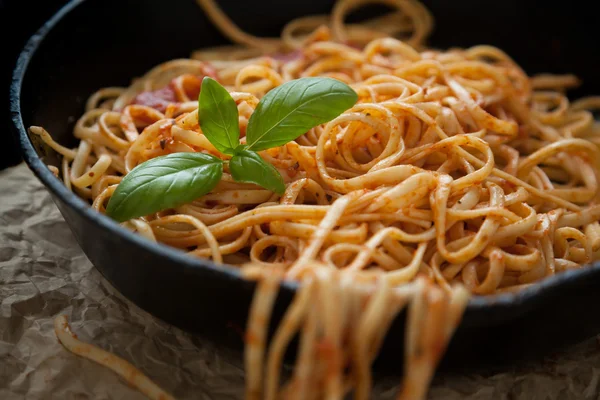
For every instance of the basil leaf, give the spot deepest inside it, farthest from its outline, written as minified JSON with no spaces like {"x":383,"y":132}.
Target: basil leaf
{"x":164,"y":182}
{"x":293,"y":108}
{"x":218,"y":116}
{"x":247,"y":166}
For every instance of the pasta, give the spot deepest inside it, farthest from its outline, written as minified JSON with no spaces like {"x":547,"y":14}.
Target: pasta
{"x":454,"y":174}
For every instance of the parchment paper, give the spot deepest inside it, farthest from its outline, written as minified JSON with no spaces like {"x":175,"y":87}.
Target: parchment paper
{"x":43,"y":272}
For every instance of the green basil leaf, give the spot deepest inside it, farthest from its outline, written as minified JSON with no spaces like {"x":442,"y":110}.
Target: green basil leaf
{"x":218,"y":116}
{"x":291,"y":109}
{"x":247,"y":166}
{"x":164,"y":182}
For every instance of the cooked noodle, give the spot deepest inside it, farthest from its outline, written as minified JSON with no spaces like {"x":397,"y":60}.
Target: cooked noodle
{"x":133,"y":376}
{"x":454,"y":173}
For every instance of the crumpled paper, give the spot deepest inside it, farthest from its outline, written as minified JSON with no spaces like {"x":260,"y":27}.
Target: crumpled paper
{"x":43,"y":273}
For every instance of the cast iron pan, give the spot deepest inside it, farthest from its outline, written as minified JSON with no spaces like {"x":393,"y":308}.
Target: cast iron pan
{"x":96,"y":43}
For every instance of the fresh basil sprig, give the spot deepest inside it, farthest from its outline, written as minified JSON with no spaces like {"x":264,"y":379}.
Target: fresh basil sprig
{"x":218,"y":116}
{"x":281,"y":116}
{"x":289,"y":110}
{"x":247,"y":166}
{"x":164,"y":182}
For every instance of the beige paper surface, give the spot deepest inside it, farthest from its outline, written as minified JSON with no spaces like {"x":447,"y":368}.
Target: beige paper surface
{"x":43,"y":272}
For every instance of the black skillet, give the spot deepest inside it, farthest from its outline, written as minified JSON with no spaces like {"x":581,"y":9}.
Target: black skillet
{"x":97,"y":43}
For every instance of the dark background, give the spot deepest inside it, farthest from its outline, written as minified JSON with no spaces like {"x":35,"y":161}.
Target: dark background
{"x":19,"y":19}
{"x":554,"y":37}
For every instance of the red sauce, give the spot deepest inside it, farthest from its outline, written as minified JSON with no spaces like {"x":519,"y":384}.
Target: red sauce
{"x":161,"y":98}
{"x":287,"y":57}
{"x":251,"y":339}
{"x":209,"y":70}
{"x":157,"y":99}
{"x":293,"y":170}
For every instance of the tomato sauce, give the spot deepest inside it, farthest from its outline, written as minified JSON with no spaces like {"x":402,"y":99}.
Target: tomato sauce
{"x":287,"y":57}
{"x":159,"y":99}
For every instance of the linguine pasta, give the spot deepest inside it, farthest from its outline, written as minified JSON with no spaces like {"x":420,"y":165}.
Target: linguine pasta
{"x":454,"y":174}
